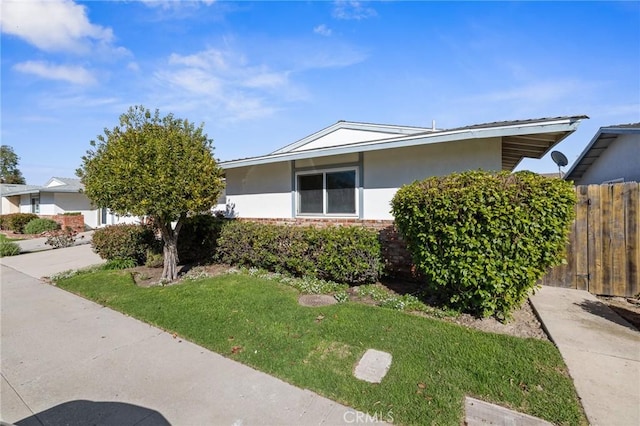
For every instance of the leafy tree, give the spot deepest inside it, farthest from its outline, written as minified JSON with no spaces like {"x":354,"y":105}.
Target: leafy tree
{"x":9,"y":172}
{"x":159,"y":167}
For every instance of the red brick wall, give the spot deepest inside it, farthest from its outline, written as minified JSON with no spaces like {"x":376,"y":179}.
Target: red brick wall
{"x":397,"y":260}
{"x":75,"y":222}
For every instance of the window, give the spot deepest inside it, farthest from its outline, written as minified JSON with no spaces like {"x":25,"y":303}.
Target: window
{"x":327,"y":192}
{"x":35,"y":204}
{"x":103,"y":216}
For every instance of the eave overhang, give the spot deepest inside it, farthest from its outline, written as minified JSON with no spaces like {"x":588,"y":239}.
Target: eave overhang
{"x":598,"y":144}
{"x":532,"y":138}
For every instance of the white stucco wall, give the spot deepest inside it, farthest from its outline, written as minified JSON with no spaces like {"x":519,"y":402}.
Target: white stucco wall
{"x":10,"y":204}
{"x":621,"y":159}
{"x":265,"y":191}
{"x":25,"y":203}
{"x":260,"y":191}
{"x":53,"y":203}
{"x":386,"y":171}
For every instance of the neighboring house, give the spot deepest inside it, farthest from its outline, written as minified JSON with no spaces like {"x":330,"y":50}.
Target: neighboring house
{"x":351,"y":171}
{"x":613,"y":155}
{"x":57,"y":196}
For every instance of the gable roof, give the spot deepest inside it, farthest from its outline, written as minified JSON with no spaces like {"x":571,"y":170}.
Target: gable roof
{"x":520,"y":138}
{"x":353,"y":132}
{"x":600,"y":142}
{"x":55,"y":184}
{"x":58,"y":184}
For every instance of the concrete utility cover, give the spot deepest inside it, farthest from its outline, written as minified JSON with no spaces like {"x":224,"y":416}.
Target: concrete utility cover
{"x":480,"y":413}
{"x":373,"y":366}
{"x":316,"y":300}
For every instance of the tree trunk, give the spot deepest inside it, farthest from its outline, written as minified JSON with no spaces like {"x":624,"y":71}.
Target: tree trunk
{"x":170,"y":250}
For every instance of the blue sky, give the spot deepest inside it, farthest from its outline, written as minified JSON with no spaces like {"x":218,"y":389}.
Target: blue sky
{"x":261,"y":75}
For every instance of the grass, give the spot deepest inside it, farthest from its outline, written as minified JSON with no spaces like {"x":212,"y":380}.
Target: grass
{"x":4,"y":238}
{"x":435,"y":364}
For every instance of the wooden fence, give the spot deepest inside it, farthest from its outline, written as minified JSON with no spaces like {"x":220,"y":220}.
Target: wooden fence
{"x":603,"y":255}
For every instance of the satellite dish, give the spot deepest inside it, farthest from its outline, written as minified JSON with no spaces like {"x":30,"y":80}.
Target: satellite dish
{"x":560,"y":159}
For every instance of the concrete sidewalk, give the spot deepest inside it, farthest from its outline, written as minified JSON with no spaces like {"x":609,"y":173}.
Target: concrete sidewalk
{"x":601,"y":350}
{"x":49,"y":262}
{"x":66,"y":360}
{"x":38,"y":244}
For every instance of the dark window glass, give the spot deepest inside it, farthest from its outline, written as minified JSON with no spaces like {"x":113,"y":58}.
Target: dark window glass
{"x":341,"y":194}
{"x":310,"y":193}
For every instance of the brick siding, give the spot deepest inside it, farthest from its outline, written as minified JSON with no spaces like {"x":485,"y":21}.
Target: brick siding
{"x":75,"y":222}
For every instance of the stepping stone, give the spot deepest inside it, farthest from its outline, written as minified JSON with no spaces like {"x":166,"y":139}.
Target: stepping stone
{"x":316,"y":300}
{"x":480,"y":413}
{"x":373,"y":366}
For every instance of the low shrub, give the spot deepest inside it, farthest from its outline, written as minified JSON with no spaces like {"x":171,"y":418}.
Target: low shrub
{"x":341,"y":254}
{"x":38,"y":226}
{"x":61,"y":238}
{"x":154,"y":259}
{"x":483,"y":240}
{"x":124,"y":241}
{"x":198,"y":238}
{"x":116,"y":264}
{"x":9,"y":248}
{"x":16,"y":221}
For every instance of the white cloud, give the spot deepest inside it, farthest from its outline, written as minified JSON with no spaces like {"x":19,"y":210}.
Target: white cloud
{"x":55,"y":25}
{"x":174,"y":4}
{"x":323,"y":30}
{"x":352,"y":10}
{"x":133,"y":66}
{"x":213,"y":70}
{"x":193,"y":80}
{"x":537,"y":92}
{"x":227,"y":82}
{"x":69,"y":73}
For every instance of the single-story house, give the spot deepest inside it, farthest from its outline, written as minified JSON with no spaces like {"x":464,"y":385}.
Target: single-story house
{"x":613,"y":155}
{"x":349,"y":171}
{"x":56,"y":197}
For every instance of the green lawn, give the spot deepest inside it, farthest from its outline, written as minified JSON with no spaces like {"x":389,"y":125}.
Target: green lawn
{"x":435,"y":364}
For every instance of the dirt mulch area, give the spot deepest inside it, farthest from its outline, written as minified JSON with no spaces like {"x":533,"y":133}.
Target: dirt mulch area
{"x":14,"y":236}
{"x":145,"y":276}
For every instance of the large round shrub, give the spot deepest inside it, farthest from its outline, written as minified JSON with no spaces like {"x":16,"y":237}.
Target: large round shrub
{"x":17,"y":221}
{"x":38,"y":226}
{"x":124,"y":242}
{"x":483,"y":240}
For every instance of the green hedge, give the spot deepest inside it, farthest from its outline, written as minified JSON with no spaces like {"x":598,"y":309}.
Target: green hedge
{"x":124,"y":242}
{"x":16,"y":221}
{"x":38,"y":226}
{"x":483,"y":240}
{"x":342,"y":254}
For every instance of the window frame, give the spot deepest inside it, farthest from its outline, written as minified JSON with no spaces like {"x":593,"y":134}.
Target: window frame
{"x":35,"y":204}
{"x":323,"y":172}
